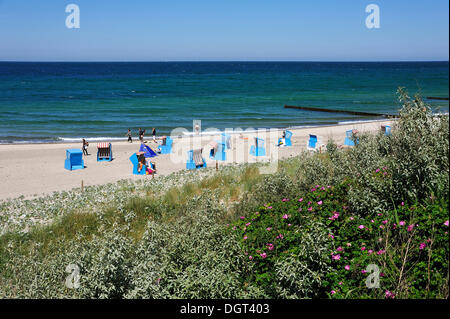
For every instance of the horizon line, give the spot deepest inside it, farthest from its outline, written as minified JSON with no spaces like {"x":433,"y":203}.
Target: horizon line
{"x":214,"y":61}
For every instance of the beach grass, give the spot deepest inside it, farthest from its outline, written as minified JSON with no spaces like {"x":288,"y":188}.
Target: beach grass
{"x":191,"y":234}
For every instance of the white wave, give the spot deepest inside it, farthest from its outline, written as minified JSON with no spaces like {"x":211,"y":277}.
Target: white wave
{"x":363,"y":121}
{"x":94,"y":139}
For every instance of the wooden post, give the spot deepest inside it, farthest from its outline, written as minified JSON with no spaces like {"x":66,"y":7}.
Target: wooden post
{"x":82,"y":186}
{"x":217,"y":165}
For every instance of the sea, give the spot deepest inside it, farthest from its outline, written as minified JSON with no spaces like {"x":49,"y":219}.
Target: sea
{"x":52,"y":102}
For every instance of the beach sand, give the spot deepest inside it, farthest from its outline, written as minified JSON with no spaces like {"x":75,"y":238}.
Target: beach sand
{"x":35,"y":169}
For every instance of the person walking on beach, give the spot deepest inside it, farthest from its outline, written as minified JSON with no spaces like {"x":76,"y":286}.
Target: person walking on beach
{"x":154,"y":134}
{"x":141,"y":134}
{"x":85,"y":145}
{"x":129,"y":136}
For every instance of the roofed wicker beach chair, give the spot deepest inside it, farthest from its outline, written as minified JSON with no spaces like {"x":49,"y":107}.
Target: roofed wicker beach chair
{"x":386,"y":129}
{"x":135,"y":159}
{"x":349,"y":137}
{"x":286,"y":140}
{"x":166,"y":146}
{"x":314,"y":143}
{"x":74,"y":160}
{"x":259,"y":149}
{"x":104,"y":152}
{"x":217,"y":150}
{"x":195,"y":159}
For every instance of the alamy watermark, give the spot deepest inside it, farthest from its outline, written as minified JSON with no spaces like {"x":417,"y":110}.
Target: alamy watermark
{"x":73,"y":279}
{"x":73,"y":19}
{"x":373,"y":280}
{"x":373,"y":19}
{"x":238,"y":144}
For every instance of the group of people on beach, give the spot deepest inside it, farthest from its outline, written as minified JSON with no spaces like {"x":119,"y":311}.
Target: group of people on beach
{"x":141,"y":135}
{"x":129,"y":135}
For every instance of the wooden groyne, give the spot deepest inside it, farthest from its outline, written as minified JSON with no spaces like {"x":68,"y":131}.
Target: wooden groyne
{"x":437,"y":98}
{"x":317,"y":109}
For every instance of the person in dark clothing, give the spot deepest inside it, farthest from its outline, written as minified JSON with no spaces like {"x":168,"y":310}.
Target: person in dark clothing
{"x":85,"y":145}
{"x":141,"y":134}
{"x":154,"y":134}
{"x":129,"y":136}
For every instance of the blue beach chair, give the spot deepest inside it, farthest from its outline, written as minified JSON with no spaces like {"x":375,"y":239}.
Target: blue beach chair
{"x":259,"y":148}
{"x":104,"y":152}
{"x":219,"y":153}
{"x":135,"y":161}
{"x":349,"y":138}
{"x":74,"y":160}
{"x":166,"y":147}
{"x":312,"y":142}
{"x":195,"y":159}
{"x":386,"y":129}
{"x":287,"y":138}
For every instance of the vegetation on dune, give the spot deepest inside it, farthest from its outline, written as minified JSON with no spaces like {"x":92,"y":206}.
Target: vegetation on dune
{"x":316,"y":228}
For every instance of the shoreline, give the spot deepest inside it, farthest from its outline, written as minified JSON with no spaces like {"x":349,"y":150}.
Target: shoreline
{"x":112,"y":139}
{"x":34,"y":170}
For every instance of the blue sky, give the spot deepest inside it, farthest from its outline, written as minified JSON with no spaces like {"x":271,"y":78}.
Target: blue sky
{"x":204,"y":30}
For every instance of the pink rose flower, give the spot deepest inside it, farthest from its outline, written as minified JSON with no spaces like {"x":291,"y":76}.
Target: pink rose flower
{"x":319,"y":202}
{"x":402,"y":223}
{"x":269,"y":228}
{"x":301,"y":199}
{"x":446,"y":223}
{"x":347,"y":267}
{"x":422,"y":246}
{"x":361,"y":226}
{"x":263,"y":255}
{"x":339,"y":248}
{"x":389,"y":294}
{"x":285,"y":216}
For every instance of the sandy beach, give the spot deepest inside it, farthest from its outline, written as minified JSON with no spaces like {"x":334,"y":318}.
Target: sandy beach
{"x":35,"y":169}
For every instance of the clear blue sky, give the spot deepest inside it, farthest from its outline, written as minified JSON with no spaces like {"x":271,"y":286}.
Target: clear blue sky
{"x":199,"y":30}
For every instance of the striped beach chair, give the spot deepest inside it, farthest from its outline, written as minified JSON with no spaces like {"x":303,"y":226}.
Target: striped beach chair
{"x":195,"y":159}
{"x":104,"y":152}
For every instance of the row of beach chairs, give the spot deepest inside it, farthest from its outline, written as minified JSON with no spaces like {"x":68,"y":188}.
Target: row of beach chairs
{"x":74,"y":157}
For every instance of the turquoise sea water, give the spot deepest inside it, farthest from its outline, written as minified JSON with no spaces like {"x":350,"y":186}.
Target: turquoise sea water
{"x":44,"y":102}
